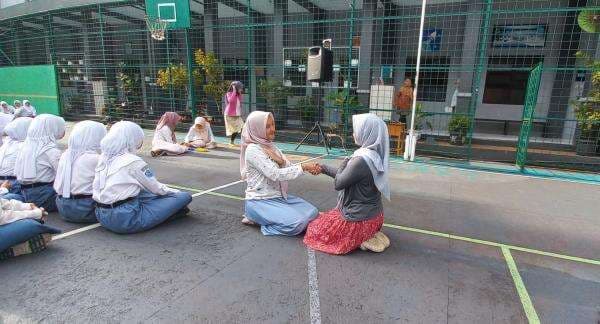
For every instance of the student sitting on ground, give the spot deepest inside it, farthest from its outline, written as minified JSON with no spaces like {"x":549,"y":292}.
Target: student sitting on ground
{"x":6,"y":108}
{"x":4,"y":120}
{"x":164,"y":141}
{"x":17,"y":105}
{"x":267,"y":171}
{"x":200,"y":135}
{"x":75,"y":173}
{"x":360,"y":180}
{"x":13,"y":210}
{"x":27,"y":110}
{"x":129,"y":198}
{"x":21,"y":227}
{"x":37,"y":161}
{"x":15,"y":131}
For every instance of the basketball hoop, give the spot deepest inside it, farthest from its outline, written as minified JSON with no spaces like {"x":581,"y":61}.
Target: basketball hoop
{"x":157,"y":28}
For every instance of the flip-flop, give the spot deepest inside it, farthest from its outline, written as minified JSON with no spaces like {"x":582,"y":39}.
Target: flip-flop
{"x":247,"y":221}
{"x":373,"y":244}
{"x":383,"y":238}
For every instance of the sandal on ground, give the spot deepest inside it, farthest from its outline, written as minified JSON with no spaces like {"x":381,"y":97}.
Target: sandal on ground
{"x":383,"y":238}
{"x":247,"y":221}
{"x":33,"y":245}
{"x":157,"y":153}
{"x":373,"y":244}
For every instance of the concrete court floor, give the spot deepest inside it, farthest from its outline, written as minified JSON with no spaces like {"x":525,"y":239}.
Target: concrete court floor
{"x":208,"y":267}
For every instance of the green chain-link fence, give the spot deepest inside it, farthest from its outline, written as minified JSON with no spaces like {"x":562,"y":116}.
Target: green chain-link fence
{"x":475,"y":66}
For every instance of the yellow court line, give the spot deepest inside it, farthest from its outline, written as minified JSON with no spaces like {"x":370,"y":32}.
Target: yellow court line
{"x":440,"y":234}
{"x":530,"y":312}
{"x":495,"y":244}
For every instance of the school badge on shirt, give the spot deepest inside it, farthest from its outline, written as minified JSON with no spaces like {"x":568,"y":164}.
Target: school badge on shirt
{"x":148,"y":172}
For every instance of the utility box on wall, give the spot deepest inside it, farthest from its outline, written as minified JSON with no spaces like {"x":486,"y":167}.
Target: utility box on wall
{"x":36,"y":83}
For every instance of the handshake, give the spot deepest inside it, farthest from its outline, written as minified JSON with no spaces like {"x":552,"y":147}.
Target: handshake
{"x":312,"y":168}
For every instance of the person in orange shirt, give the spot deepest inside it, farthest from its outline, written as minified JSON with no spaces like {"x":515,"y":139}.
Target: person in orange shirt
{"x":403,"y":101}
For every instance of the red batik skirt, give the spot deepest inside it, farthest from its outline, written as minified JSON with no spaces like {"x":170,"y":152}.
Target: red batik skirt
{"x":331,"y":233}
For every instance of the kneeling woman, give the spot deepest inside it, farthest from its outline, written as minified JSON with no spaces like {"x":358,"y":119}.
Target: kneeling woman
{"x":129,"y":198}
{"x":266,"y":171}
{"x":16,"y":131}
{"x":164,"y":140}
{"x":75,"y":173}
{"x":200,"y":135}
{"x":37,"y":161}
{"x":360,"y":180}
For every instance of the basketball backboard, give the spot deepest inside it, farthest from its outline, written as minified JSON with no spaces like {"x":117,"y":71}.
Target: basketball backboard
{"x":175,"y":12}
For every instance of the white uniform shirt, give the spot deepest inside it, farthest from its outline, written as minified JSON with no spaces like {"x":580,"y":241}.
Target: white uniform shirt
{"x":7,"y":166}
{"x":263,"y":174}
{"x":128,"y":182}
{"x":14,"y":210}
{"x":163,"y":140}
{"x":46,"y":165}
{"x":82,"y":177}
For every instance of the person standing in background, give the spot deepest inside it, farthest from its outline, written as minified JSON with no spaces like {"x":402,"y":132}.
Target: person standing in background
{"x":403,"y":101}
{"x":233,"y":111}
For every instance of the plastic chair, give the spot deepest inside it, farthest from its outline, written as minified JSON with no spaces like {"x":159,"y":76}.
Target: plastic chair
{"x":398,"y":130}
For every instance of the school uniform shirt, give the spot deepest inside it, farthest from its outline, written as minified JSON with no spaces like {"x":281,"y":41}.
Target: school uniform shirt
{"x":7,"y":165}
{"x":163,"y":140}
{"x":204,"y":135}
{"x":134,"y":175}
{"x":263,"y":174}
{"x":82,"y":174}
{"x":46,"y":167}
{"x":14,"y":210}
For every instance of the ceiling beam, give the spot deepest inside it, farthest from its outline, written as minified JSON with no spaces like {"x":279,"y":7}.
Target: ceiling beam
{"x":311,"y":7}
{"x":240,"y":7}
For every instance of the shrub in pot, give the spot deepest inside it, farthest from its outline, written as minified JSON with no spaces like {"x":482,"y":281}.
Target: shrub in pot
{"x":458,"y":127}
{"x":307,"y":109}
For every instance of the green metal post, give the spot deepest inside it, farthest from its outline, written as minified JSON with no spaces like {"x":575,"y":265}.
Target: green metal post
{"x":531,"y":96}
{"x":475,"y":87}
{"x":349,"y":73}
{"x":250,"y":55}
{"x":103,"y":54}
{"x":171,"y":94}
{"x":190,"y":66}
{"x":51,"y":38}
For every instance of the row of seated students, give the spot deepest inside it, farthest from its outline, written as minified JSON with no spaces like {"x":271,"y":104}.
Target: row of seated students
{"x":100,"y":178}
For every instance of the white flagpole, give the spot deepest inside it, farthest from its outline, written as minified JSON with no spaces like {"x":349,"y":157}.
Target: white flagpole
{"x":411,"y":139}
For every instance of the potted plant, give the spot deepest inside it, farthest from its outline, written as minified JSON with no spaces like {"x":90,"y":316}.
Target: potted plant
{"x":588,"y":128}
{"x":458,"y":127}
{"x":587,"y":110}
{"x":341,"y":100}
{"x":307,"y":109}
{"x":211,"y":74}
{"x":420,"y":119}
{"x":275,"y":95}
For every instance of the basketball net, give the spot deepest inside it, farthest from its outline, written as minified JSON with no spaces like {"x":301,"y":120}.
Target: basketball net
{"x":157,"y":28}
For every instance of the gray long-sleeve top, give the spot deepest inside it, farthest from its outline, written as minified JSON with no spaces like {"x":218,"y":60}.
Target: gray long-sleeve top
{"x":359,"y":199}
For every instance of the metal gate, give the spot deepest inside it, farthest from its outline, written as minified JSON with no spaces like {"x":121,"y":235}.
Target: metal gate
{"x":531,"y":96}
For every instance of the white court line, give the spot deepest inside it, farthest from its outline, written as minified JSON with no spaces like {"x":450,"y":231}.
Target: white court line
{"x":79,"y":230}
{"x":313,"y":288}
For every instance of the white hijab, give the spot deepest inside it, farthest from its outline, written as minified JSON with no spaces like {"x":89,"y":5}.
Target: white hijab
{"x":371,"y":134}
{"x":5,"y":118}
{"x":85,"y":138}
{"x":16,"y":131}
{"x":42,"y":135}
{"x":123,"y":139}
{"x":206,"y":127}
